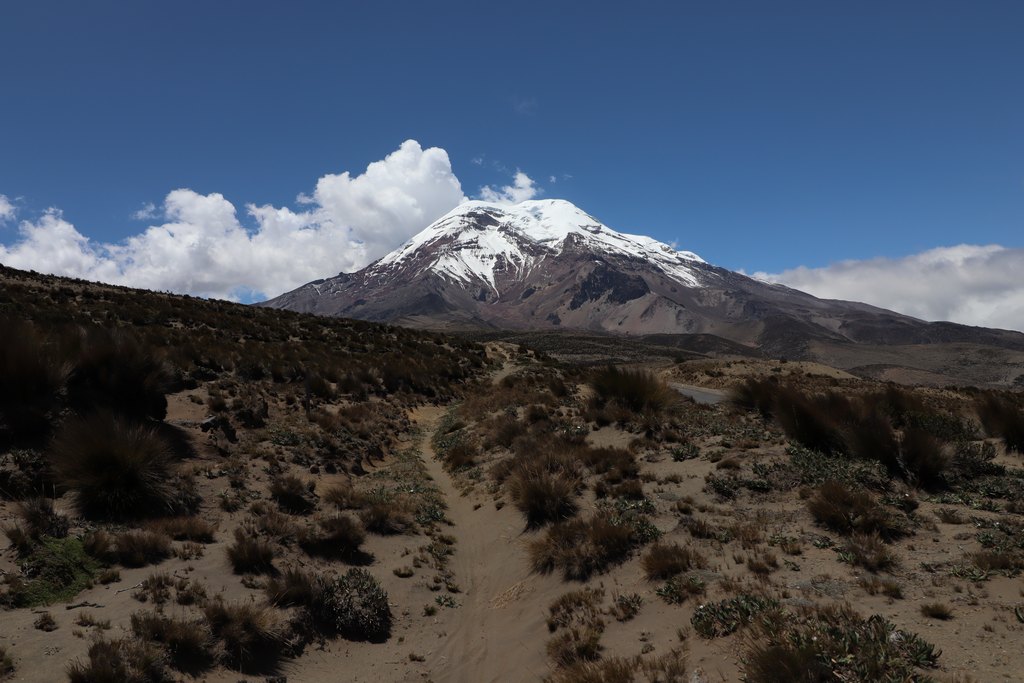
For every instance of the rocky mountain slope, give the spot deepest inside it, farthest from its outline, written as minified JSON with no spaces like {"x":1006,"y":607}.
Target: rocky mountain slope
{"x":549,"y":265}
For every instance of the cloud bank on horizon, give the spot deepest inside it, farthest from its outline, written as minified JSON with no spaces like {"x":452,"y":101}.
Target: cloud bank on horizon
{"x":203,"y":248}
{"x":969,"y":284}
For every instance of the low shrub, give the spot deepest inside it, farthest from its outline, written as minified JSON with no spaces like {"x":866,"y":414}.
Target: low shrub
{"x":387,"y":518}
{"x":354,"y":605}
{"x":833,"y":643}
{"x":56,"y":570}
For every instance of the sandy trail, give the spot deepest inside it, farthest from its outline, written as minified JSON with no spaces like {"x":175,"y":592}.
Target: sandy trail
{"x":498,"y":632}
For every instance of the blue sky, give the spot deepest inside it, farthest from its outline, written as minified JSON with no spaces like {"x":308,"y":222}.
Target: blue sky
{"x":763,"y":136}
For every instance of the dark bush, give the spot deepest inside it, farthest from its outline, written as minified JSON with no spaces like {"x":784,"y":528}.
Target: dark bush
{"x":292,"y":587}
{"x":113,"y":371}
{"x":31,"y":377}
{"x":41,"y":519}
{"x":116,"y":469}
{"x":637,"y":390}
{"x":543,"y":496}
{"x":1002,"y":417}
{"x":354,"y":605}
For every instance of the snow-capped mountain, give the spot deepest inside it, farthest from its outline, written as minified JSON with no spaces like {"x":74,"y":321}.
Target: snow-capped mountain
{"x":548,"y":264}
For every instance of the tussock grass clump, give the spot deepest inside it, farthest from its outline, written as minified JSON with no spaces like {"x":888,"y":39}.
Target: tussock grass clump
{"x":1002,"y":417}
{"x":250,"y":554}
{"x":387,"y":517}
{"x":936,"y":610}
{"x":137,"y":548}
{"x":40,"y":518}
{"x":344,"y":496}
{"x":354,"y":605}
{"x":188,"y":642}
{"x":115,"y":468}
{"x":638,"y":391}
{"x":190,"y":528}
{"x":582,"y":548}
{"x":870,"y":552}
{"x":543,"y":496}
{"x":849,"y":511}
{"x":574,"y":645}
{"x":663,"y":561}
{"x":252,"y":636}
{"x":292,"y":587}
{"x":121,"y":661}
{"x":577,"y":608}
{"x":338,"y":536}
{"x":293,"y":494}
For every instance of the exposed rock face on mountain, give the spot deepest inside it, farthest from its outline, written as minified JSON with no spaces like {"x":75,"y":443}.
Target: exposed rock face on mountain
{"x":548,"y":264}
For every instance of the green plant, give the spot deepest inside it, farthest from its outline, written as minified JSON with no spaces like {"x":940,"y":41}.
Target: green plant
{"x":56,"y":570}
{"x":718,"y":619}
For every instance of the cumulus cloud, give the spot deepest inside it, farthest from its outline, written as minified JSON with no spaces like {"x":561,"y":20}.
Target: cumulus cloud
{"x":204,"y":247}
{"x":970,"y":284}
{"x":146,"y":213}
{"x":522,"y":188}
{"x":7,"y":209}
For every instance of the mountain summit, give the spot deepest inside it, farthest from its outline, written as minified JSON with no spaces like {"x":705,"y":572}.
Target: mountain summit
{"x":548,"y":264}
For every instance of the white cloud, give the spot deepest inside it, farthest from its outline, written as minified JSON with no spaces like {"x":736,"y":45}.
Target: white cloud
{"x":205,"y":249}
{"x":7,"y":209}
{"x":970,"y":284}
{"x":146,"y":213}
{"x":522,"y":188}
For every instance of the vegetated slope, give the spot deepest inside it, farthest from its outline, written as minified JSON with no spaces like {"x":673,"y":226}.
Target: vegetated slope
{"x":546,"y":264}
{"x":207,"y":486}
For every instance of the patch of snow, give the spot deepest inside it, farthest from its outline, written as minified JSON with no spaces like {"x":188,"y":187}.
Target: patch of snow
{"x":523,"y":236}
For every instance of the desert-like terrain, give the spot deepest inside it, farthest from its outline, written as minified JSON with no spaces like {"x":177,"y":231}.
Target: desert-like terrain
{"x":197,"y":490}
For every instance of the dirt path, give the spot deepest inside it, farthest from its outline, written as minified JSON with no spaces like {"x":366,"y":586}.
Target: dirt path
{"x":498,"y":632}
